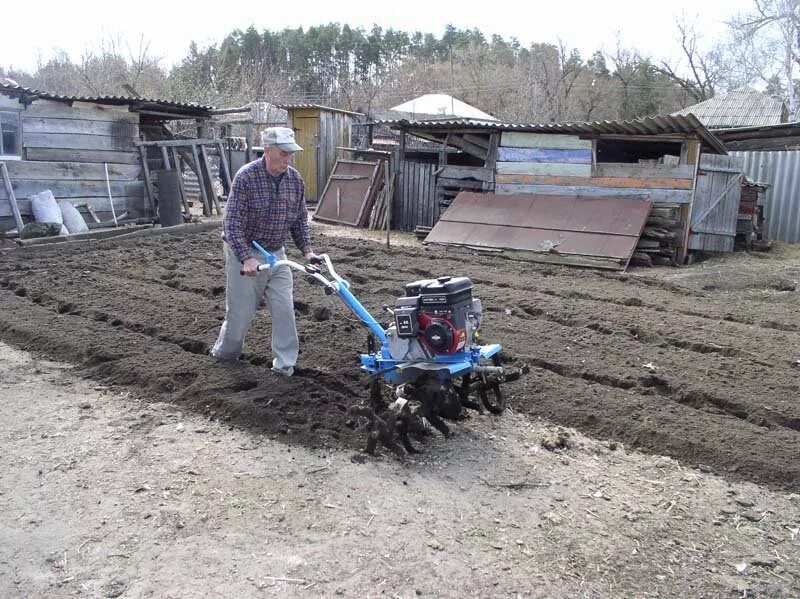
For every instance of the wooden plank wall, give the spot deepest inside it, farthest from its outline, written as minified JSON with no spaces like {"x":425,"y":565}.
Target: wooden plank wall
{"x":562,"y":165}
{"x":65,"y":149}
{"x":414,"y":203}
{"x":334,"y":131}
{"x":535,"y":154}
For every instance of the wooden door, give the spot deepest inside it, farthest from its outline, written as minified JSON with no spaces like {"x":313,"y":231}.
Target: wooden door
{"x":716,"y":203}
{"x":306,"y":131}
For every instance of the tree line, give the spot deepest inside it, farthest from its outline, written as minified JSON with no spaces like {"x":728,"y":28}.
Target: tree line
{"x":369,"y":70}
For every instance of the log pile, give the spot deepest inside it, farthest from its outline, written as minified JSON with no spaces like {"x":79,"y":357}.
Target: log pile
{"x":658,"y":244}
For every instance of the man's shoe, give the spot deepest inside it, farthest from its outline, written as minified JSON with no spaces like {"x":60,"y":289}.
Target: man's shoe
{"x":287,"y":371}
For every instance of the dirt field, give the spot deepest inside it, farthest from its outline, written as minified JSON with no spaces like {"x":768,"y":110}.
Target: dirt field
{"x":225,"y":480}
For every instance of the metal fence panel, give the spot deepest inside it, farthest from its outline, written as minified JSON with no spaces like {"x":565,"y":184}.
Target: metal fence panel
{"x":781,"y":170}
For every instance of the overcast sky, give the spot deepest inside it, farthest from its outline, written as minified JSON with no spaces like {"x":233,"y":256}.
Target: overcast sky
{"x":38,"y":28}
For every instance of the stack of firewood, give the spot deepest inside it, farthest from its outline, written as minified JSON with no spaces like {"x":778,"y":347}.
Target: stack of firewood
{"x":658,"y":244}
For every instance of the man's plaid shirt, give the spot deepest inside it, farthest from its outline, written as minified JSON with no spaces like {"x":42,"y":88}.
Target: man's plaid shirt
{"x":257,"y":212}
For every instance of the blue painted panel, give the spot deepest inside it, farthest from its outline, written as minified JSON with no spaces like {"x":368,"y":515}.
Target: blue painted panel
{"x":544,"y":155}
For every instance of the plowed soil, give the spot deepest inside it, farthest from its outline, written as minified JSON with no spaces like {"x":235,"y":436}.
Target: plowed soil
{"x":699,"y":364}
{"x":704,"y":368}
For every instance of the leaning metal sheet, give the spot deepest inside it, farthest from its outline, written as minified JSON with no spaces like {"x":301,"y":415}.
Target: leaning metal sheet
{"x":596,"y":228}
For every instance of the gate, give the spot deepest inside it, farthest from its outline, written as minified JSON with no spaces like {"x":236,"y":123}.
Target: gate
{"x":716,"y":203}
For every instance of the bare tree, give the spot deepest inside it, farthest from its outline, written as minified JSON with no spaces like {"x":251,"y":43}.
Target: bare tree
{"x":771,"y":30}
{"x":702,"y":68}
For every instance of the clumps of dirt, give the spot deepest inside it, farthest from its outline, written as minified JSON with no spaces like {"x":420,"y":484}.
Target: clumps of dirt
{"x":556,"y":440}
{"x":321,"y":313}
{"x":780,"y":284}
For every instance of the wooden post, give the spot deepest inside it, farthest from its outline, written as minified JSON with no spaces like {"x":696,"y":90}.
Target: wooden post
{"x":692,"y":157}
{"x":443,"y":150}
{"x":199,"y":173}
{"x":148,"y":184}
{"x":248,"y":152}
{"x":165,"y":158}
{"x":214,"y":202}
{"x":225,"y":167}
{"x":184,"y":199}
{"x":12,"y":199}
{"x":389,"y":193}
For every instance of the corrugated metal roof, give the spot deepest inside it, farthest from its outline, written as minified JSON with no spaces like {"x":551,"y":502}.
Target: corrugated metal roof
{"x":192,"y":107}
{"x":743,"y":107}
{"x":658,"y":125}
{"x":764,"y":137}
{"x":301,"y":105}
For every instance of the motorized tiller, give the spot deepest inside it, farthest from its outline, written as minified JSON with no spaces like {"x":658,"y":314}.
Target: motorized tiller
{"x":429,"y":354}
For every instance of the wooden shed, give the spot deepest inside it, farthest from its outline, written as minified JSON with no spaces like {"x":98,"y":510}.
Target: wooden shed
{"x":319,"y":130}
{"x":88,"y":150}
{"x":674,"y":161}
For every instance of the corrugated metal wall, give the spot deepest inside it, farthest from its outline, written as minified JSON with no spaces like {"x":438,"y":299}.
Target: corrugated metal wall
{"x":782,"y":203}
{"x":414,"y":202}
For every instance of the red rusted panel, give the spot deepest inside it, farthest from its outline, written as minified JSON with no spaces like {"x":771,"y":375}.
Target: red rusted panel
{"x":606,"y":228}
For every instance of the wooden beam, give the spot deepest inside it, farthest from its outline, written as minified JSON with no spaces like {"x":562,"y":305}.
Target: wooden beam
{"x":90,"y":235}
{"x":77,"y":126}
{"x":632,"y":182}
{"x":682,"y":253}
{"x":148,"y":183}
{"x":639,"y":171}
{"x":531,"y":168}
{"x":71,"y":171}
{"x":249,"y":137}
{"x":491,"y":158}
{"x":544,"y":155}
{"x":59,"y":110}
{"x":74,"y":141}
{"x":659,"y":196}
{"x":203,"y":191}
{"x":165,"y":158}
{"x":544,"y":140}
{"x":373,"y":153}
{"x":177,"y":142}
{"x":177,"y":161}
{"x":239,"y":110}
{"x":72,"y":155}
{"x":224,"y":162}
{"x":468,"y":147}
{"x":214,"y":201}
{"x":173,"y":116}
{"x":663,"y":137}
{"x":480,"y":173}
{"x":478,"y":140}
{"x":12,"y":200}
{"x":74,"y":189}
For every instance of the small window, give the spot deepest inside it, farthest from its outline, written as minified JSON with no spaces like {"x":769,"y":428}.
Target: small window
{"x":634,"y":151}
{"x":10,"y":142}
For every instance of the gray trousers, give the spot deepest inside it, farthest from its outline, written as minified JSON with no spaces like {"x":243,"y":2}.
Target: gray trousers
{"x":242,"y":299}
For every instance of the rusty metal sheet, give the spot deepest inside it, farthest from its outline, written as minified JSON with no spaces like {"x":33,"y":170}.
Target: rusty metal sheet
{"x":347,"y":192}
{"x":566,"y":229}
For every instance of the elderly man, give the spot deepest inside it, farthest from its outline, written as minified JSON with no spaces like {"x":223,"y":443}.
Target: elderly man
{"x":266,"y":204}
